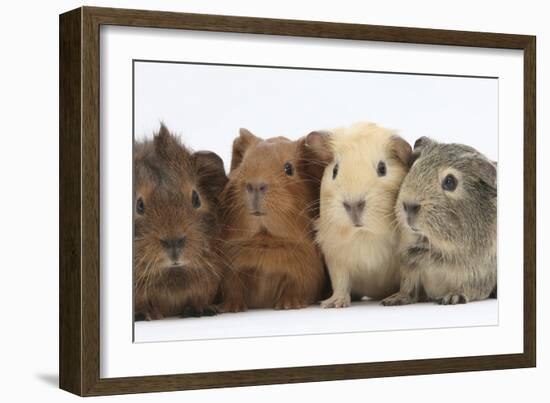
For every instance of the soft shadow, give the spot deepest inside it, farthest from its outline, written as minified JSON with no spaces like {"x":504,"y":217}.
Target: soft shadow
{"x":50,"y":379}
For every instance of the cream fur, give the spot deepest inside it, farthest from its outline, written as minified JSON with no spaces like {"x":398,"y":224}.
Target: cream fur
{"x":362,"y":261}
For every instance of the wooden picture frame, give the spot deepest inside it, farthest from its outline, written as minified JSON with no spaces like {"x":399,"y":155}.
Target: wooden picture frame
{"x":79,"y":345}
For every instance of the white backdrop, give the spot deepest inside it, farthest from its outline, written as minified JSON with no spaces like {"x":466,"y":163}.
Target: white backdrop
{"x":30,"y":199}
{"x":206,"y":104}
{"x":119,"y":357}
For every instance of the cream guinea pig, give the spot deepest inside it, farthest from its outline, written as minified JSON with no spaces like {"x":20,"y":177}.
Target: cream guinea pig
{"x":356,"y":229}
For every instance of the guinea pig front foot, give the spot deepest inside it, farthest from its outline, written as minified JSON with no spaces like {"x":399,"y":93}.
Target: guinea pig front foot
{"x":138,"y":317}
{"x":232,"y":306}
{"x":452,"y":299}
{"x":397,"y":299}
{"x":190,"y":312}
{"x":147,"y":316}
{"x":337,"y":301}
{"x":290,"y":303}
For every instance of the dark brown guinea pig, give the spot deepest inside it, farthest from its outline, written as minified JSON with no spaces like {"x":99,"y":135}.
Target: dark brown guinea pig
{"x":268,"y":203}
{"x":177,"y":265}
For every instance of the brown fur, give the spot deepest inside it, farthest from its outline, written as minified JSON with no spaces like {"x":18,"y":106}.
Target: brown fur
{"x":274,"y":261}
{"x":166,"y":174}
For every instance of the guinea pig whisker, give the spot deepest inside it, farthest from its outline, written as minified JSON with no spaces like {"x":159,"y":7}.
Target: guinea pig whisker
{"x":147,"y":272}
{"x":307,"y":210}
{"x":232,"y":208}
{"x":219,"y":253}
{"x":394,"y":224}
{"x":146,"y":257}
{"x":236,"y":229}
{"x":292,"y":224}
{"x":312,"y":161}
{"x":208,"y":265}
{"x":286,"y":194}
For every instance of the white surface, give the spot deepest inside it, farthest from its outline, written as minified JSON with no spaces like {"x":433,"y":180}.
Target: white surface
{"x":121,"y":357}
{"x":359,"y":317}
{"x":30,"y":201}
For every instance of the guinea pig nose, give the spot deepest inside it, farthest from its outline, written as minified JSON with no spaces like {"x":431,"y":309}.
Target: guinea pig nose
{"x":175,"y":243}
{"x":411,"y":208}
{"x":356,"y":206}
{"x":355,"y":211}
{"x":260,"y":187}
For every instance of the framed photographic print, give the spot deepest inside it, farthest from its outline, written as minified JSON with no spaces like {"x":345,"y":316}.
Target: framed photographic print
{"x":249,"y":201}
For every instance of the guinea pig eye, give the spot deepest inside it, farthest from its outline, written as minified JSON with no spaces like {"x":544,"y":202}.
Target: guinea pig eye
{"x":195,"y":199}
{"x":381,"y":168}
{"x":289,"y":169}
{"x":140,"y":206}
{"x":449,"y":183}
{"x":335,"y":171}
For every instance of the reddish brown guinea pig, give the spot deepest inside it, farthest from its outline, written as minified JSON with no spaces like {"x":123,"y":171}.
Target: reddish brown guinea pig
{"x":177,"y":263}
{"x":268,"y":205}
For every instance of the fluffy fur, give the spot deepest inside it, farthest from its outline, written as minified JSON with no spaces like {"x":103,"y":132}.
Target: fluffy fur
{"x":356,"y":229}
{"x":268,"y":206}
{"x":176,"y":261}
{"x":448,"y":246}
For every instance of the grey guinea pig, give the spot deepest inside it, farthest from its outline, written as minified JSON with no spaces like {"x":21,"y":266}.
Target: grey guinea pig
{"x":447,"y":210}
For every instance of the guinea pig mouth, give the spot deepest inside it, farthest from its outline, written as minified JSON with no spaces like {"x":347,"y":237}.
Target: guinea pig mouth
{"x":414,"y":229}
{"x":258,"y":214}
{"x":409,"y":223}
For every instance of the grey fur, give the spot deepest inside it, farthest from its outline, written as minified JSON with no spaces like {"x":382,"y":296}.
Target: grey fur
{"x":448,"y":254}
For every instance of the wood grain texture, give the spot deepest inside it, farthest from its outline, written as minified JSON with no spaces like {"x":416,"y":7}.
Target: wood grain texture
{"x":91,"y":175}
{"x":530,"y":202}
{"x":316,"y":29}
{"x":80,"y":196}
{"x":70,"y":274}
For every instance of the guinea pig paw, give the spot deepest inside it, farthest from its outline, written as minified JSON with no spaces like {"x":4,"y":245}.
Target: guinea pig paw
{"x":397,"y":299}
{"x":148,"y":316}
{"x":139,"y":317}
{"x":228,"y":307}
{"x":290,"y":303}
{"x":452,"y":299}
{"x":190,"y":312}
{"x":209,"y":311}
{"x":337,"y":301}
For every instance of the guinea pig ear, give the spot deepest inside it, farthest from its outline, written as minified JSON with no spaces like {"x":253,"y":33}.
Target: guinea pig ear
{"x":210,"y":172}
{"x":167,"y":146}
{"x":317,"y":144}
{"x":315,"y":154}
{"x":400,"y":149}
{"x":487,"y":170}
{"x":419,"y":145}
{"x":240,"y":145}
{"x":422,"y":142}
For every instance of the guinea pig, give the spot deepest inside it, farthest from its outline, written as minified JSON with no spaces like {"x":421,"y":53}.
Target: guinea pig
{"x":365,"y":165}
{"x":177,"y":263}
{"x":447,"y":210}
{"x":268,"y":206}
